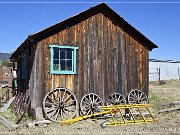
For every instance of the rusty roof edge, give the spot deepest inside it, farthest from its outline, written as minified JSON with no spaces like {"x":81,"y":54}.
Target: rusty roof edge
{"x":128,"y":28}
{"x":50,"y":29}
{"x":100,"y":8}
{"x":69,"y":22}
{"x":109,"y":13}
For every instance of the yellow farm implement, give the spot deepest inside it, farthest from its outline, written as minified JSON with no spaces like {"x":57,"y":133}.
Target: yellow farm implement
{"x":120,"y":115}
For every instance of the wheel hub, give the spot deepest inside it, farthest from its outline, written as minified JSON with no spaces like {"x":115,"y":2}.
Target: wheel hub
{"x":138,"y":101}
{"x":93,"y":106}
{"x":61,"y":105}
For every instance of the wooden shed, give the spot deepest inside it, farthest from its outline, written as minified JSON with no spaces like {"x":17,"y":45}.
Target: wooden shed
{"x":96,"y":51}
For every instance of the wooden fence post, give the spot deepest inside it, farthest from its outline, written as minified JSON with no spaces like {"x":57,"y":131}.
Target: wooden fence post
{"x":159,"y":73}
{"x":178,"y":73}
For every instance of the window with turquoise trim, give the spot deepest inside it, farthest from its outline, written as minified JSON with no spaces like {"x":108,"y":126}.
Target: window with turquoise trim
{"x":63,"y":59}
{"x":23,"y":71}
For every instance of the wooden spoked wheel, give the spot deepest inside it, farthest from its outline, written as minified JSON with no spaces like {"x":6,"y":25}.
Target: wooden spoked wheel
{"x":115,"y":99}
{"x":137,"y":97}
{"x":90,"y":104}
{"x":60,"y":104}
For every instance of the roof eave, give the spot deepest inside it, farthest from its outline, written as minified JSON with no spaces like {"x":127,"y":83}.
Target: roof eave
{"x":21,"y":48}
{"x":101,"y":8}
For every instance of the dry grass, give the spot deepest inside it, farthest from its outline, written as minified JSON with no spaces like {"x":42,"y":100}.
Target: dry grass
{"x":168,"y":123}
{"x":165,"y":93}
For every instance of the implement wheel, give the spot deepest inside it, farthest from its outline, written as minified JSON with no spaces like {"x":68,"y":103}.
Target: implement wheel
{"x":115,"y":99}
{"x":90,"y":104}
{"x":60,"y":104}
{"x":137,"y":97}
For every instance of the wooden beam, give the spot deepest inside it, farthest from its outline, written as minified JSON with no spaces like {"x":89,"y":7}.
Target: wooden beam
{"x":169,"y":110}
{"x":8,"y":124}
{"x":175,"y":103}
{"x":38,"y":123}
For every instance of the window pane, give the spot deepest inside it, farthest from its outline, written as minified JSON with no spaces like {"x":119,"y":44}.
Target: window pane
{"x":56,"y":53}
{"x":69,"y":65}
{"x":62,"y":64}
{"x":66,"y":59}
{"x":69,"y":54}
{"x":62,"y":54}
{"x":56,"y":65}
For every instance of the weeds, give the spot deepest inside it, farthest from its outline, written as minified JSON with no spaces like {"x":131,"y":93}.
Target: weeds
{"x":153,"y":97}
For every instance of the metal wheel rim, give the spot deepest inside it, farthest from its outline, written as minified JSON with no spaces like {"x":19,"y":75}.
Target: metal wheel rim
{"x":90,"y":103}
{"x":115,"y":99}
{"x":137,"y":97}
{"x":60,"y":104}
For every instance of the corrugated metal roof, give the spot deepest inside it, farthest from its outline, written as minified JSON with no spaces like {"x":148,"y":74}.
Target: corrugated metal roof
{"x":165,"y":61}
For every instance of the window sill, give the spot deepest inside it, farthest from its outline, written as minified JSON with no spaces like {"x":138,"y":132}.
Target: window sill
{"x":63,"y":72}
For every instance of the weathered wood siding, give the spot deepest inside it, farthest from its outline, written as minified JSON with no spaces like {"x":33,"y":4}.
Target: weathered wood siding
{"x":30,"y":81}
{"x":108,"y":60}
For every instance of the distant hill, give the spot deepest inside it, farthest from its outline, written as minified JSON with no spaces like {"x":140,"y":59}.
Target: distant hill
{"x":4,"y":56}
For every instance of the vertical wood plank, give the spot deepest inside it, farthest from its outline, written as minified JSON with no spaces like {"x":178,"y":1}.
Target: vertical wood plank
{"x":108,"y":60}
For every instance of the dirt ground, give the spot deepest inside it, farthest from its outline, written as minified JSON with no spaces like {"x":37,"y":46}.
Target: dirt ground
{"x":159,"y":97}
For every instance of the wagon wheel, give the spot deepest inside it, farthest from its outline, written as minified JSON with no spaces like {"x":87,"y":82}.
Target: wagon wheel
{"x":60,"y":104}
{"x":90,"y":104}
{"x":115,"y":99}
{"x":137,"y":97}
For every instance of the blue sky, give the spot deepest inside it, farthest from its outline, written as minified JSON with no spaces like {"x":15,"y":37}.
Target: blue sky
{"x":159,"y":21}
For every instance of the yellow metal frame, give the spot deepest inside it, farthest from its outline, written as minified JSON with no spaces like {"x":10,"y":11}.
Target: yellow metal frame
{"x":118,"y":114}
